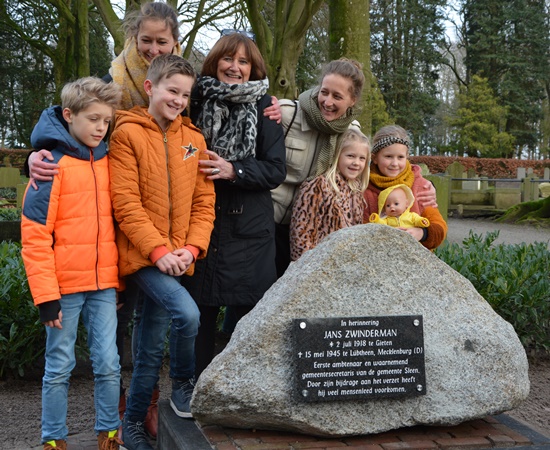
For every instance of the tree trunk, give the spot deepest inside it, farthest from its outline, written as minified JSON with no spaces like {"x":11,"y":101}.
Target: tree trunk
{"x":282,"y":47}
{"x":112,"y":23}
{"x":350,"y":38}
{"x":82,"y":41}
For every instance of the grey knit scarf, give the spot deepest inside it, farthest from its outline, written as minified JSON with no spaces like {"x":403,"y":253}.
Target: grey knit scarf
{"x":229,"y":116}
{"x":329,"y":132}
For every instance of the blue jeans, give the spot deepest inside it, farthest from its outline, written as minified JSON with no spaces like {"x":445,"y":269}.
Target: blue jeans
{"x":164,"y":299}
{"x":99,"y":316}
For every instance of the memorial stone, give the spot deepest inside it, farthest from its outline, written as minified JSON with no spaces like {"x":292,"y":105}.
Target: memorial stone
{"x":474,"y":364}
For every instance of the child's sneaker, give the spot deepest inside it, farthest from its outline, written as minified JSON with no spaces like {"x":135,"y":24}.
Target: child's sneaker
{"x":180,"y":401}
{"x":55,"y":445}
{"x":134,"y":436}
{"x":108,"y":440}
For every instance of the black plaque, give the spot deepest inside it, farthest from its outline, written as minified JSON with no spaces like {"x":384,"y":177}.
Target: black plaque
{"x":359,"y":358}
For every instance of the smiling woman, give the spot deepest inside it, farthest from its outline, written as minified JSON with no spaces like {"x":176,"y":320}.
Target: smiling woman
{"x":247,"y":160}
{"x":314,"y":125}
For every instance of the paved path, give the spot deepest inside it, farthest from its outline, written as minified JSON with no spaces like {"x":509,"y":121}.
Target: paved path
{"x":508,"y":233}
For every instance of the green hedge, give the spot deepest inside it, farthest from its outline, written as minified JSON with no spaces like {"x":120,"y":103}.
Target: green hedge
{"x":22,"y":336}
{"x":514,"y":279}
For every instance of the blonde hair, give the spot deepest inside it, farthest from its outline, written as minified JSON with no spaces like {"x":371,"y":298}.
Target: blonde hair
{"x":352,"y":136}
{"x":79,"y":94}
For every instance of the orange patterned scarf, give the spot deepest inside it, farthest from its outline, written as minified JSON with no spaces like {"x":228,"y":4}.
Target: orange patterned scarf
{"x":129,"y":70}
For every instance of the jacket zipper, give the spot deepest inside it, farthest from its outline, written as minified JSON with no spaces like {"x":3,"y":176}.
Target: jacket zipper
{"x":97,"y":219}
{"x":167,"y":153}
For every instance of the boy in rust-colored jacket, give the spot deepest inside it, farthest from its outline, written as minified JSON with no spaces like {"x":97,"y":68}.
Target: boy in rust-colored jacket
{"x":165,"y":212}
{"x":70,"y":255}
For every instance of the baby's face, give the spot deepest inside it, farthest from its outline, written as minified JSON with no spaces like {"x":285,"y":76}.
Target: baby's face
{"x":396,"y":203}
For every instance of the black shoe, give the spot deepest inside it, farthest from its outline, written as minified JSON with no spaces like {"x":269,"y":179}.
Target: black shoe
{"x":134,"y":436}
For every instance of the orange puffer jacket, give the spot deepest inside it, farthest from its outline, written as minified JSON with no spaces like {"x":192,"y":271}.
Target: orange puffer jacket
{"x":159,"y":197}
{"x":67,"y":228}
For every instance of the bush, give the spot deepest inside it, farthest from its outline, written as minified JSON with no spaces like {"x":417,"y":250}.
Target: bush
{"x":22,"y":336}
{"x":8,"y":192}
{"x":10,"y":214}
{"x":514,"y":279}
{"x":487,"y":167}
{"x":21,"y":333}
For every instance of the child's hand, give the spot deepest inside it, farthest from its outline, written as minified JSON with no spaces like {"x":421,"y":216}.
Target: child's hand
{"x":171,"y":264}
{"x":274,"y":111}
{"x":41,"y":170}
{"x":417,"y":233}
{"x":185,"y":256}
{"x":427,"y":196}
{"x":55,"y":323}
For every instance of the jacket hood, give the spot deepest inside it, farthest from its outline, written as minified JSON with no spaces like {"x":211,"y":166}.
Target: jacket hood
{"x":52,"y":132}
{"x":384,"y":195}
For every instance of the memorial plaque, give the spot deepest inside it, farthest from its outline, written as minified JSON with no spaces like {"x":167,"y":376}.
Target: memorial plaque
{"x":359,"y":358}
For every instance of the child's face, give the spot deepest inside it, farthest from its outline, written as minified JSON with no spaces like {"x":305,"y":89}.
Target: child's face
{"x":396,"y":203}
{"x":169,"y":97}
{"x":352,"y":161}
{"x":154,"y":38}
{"x":91,"y":124}
{"x":392,"y":160}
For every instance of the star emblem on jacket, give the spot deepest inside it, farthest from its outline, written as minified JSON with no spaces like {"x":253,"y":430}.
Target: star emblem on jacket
{"x":189,"y":150}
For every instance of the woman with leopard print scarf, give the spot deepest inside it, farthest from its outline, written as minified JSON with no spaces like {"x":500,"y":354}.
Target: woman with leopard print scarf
{"x":247,"y":160}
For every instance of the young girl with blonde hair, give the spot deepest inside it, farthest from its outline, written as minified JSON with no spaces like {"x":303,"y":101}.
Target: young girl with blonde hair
{"x":332,"y":200}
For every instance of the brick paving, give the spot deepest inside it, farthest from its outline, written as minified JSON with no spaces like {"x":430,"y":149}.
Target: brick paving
{"x":499,"y":432}
{"x":476,"y":434}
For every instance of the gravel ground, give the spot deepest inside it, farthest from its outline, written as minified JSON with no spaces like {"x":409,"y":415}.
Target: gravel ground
{"x":21,"y":399}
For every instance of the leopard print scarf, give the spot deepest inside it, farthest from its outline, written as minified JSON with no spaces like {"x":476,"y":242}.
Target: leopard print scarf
{"x":329,"y":132}
{"x":229,"y":116}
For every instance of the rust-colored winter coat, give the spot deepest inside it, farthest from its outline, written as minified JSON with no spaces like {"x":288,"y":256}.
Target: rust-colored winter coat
{"x":159,"y":196}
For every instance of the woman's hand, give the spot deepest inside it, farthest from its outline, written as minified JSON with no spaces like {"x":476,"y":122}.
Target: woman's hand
{"x":417,"y":233}
{"x":427,"y":196}
{"x":40,"y":169}
{"x":274,"y":111}
{"x":216,"y":168}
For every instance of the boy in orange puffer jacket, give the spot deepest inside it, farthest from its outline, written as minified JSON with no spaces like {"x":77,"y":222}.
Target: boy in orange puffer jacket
{"x":165,"y":212}
{"x":70,"y":255}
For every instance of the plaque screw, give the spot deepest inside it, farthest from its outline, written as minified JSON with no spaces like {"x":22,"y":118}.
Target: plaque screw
{"x":303,"y":325}
{"x":305,"y":393}
{"x":419,"y":387}
{"x":416,"y":322}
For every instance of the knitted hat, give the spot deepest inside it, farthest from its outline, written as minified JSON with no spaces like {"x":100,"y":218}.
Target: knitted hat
{"x":387,"y":141}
